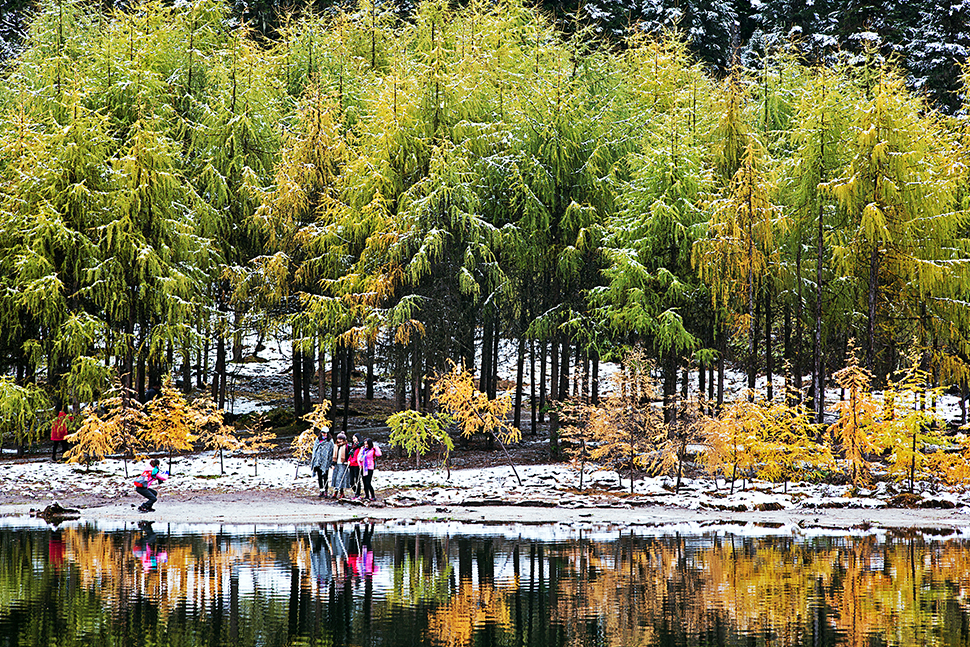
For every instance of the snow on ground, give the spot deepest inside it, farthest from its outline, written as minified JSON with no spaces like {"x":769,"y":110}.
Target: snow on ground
{"x":542,"y":486}
{"x":268,"y":373}
{"x":735,"y":383}
{"x":264,"y":382}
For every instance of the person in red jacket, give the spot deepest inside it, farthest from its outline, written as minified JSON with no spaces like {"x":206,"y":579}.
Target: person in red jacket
{"x":59,"y":433}
{"x":353,"y":462}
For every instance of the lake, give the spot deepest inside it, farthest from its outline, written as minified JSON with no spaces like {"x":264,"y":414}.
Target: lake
{"x":456,"y":585}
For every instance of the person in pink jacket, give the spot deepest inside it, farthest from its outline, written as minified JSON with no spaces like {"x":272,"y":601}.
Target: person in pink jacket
{"x":143,"y":484}
{"x":369,"y":454}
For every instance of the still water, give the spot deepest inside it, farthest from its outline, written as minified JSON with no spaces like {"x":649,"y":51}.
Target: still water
{"x":452,"y":585}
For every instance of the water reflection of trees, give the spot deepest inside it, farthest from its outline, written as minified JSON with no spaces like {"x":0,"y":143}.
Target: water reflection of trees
{"x":350,"y":584}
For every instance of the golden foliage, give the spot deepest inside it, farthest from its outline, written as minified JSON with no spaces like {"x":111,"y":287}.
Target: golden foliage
{"x":624,"y":429}
{"x":117,"y":429}
{"x":207,"y":420}
{"x":169,"y":420}
{"x":906,"y":429}
{"x":472,"y":410}
{"x":259,"y":439}
{"x":94,"y":439}
{"x":454,"y":624}
{"x":855,"y":427}
{"x":303,"y":444}
{"x":763,"y":439}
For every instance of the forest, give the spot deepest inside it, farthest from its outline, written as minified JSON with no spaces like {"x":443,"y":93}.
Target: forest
{"x":393,"y":195}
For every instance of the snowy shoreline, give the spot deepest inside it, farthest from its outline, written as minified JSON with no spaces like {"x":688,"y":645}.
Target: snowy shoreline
{"x":281,"y":493}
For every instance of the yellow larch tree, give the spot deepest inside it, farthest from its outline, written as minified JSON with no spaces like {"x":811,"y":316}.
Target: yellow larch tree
{"x":94,"y":439}
{"x":473,"y":412}
{"x":731,"y":437}
{"x":303,"y":444}
{"x":854,"y":430}
{"x":785,"y":446}
{"x":624,"y":430}
{"x":169,"y":422}
{"x":117,"y":428}
{"x":208,"y":421}
{"x":906,"y":429}
{"x":259,"y":440}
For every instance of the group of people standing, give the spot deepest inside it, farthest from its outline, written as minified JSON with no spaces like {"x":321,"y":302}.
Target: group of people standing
{"x":352,"y":465}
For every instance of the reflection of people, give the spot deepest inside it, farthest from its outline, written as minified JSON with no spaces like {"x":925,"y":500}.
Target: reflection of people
{"x":321,"y":558}
{"x":145,"y":550}
{"x":365,"y":562}
{"x":55,"y":549}
{"x":322,"y":459}
{"x":143,"y":484}
{"x":58,"y":434}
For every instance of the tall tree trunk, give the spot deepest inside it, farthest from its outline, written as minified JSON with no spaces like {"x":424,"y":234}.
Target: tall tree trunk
{"x":787,"y":368}
{"x":202,"y":359}
{"x":348,"y":370}
{"x":321,"y":375}
{"x":487,"y":329}
{"x":335,"y":362}
{"x":701,"y":381}
{"x":769,"y":359}
{"x":752,"y":315}
{"x":554,"y":369}
{"x":470,"y":342}
{"x":370,"y":370}
{"x":564,"y":371}
{"x":307,"y":381}
{"x":237,"y":336}
{"x":519,"y":370}
{"x":722,"y":348}
{"x":493,"y":374}
{"x":818,"y":351}
{"x":542,"y":381}
{"x":223,"y":375}
{"x":710,"y":381}
{"x":873,"y":295}
{"x":798,"y":369}
{"x":140,"y":375}
{"x":532,"y":383}
{"x":415,"y":375}
{"x":400,"y":378}
{"x":219,"y":376}
{"x":296,"y":362}
{"x":186,"y":368}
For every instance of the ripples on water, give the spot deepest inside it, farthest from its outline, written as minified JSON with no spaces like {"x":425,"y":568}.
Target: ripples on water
{"x":463,"y":585}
